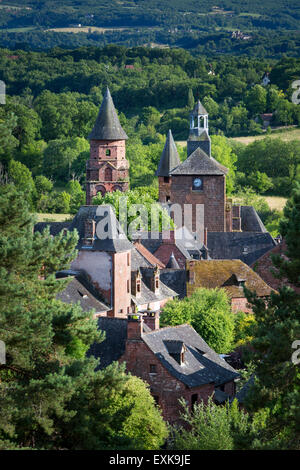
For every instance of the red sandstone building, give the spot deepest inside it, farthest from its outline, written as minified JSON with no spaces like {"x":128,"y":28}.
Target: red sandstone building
{"x":107,"y":167}
{"x":175,"y":361}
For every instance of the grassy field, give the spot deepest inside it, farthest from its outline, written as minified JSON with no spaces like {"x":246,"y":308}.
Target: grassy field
{"x":84,"y":29}
{"x":275,"y":202}
{"x":53,"y":217}
{"x":288,"y":135}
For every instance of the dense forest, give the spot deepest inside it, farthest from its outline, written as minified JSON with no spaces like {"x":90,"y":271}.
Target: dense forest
{"x":53,"y":100}
{"x":268,"y":29}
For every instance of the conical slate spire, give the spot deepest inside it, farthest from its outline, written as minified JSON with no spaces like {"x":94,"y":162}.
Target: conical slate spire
{"x":199,"y":109}
{"x":169,"y":158}
{"x":172,"y":263}
{"x":107,"y":125}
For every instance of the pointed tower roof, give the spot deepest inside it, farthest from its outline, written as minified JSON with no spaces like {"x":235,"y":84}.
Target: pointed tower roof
{"x":169,"y":158}
{"x":107,"y":125}
{"x":199,"y":163}
{"x":199,"y":109}
{"x":172,"y":263}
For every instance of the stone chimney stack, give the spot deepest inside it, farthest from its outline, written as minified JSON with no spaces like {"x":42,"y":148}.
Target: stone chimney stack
{"x":151,"y":319}
{"x":89,"y":232}
{"x":135,"y":326}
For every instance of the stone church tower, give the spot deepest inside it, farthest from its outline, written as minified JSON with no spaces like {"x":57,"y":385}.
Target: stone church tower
{"x":198,"y":184}
{"x":107,"y":167}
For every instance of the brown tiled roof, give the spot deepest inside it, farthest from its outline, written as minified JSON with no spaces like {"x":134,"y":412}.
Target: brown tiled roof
{"x":264,"y":267}
{"x":148,"y":255}
{"x":227,"y":274}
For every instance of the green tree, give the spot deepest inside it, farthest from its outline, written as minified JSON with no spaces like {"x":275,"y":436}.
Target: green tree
{"x":213,"y":427}
{"x":221,"y":150}
{"x":208,"y":311}
{"x":276,"y":390}
{"x":51,"y":395}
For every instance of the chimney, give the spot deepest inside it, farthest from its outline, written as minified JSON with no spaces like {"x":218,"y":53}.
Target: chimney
{"x":151,"y":319}
{"x":89,"y":232}
{"x":134,"y":326}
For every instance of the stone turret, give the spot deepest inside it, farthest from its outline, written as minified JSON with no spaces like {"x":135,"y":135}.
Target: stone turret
{"x":107,"y":168}
{"x":168,"y":161}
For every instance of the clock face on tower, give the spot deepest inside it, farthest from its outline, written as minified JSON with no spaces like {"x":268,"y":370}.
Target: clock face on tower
{"x":197,"y":184}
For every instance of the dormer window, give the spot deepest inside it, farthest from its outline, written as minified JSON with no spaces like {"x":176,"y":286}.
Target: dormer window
{"x":176,"y":350}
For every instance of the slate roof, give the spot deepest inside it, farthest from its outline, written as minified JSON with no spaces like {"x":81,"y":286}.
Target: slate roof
{"x":198,"y":109}
{"x":55,"y":227}
{"x":172,"y":263}
{"x":246,"y":246}
{"x":199,"y":163}
{"x":201,"y":364}
{"x":242,"y":394}
{"x":152,"y":260}
{"x":107,"y":125}
{"x":226,"y":274}
{"x":265,"y":269}
{"x":169,"y":158}
{"x":147,"y":295}
{"x":76,"y":292}
{"x":113,"y":347}
{"x":175,"y":279}
{"x":115,"y":241}
{"x":250,"y":220}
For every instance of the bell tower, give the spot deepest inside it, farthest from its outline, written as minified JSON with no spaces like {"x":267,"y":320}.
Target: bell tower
{"x":107,"y":168}
{"x":199,"y":134}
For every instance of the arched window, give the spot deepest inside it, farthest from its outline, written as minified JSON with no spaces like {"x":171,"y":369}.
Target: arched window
{"x":108,"y":174}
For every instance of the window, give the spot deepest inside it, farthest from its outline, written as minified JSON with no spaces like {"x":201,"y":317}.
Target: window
{"x":156,"y":284}
{"x":128,"y":259}
{"x":138,"y":287}
{"x":194,"y":399}
{"x":153,"y":369}
{"x":166,"y":179}
{"x":128,"y":290}
{"x":107,"y":153}
{"x":108,"y":174}
{"x":168,"y":198}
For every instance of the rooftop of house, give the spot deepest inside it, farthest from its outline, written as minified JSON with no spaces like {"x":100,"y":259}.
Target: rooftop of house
{"x":79,"y":290}
{"x":199,"y":163}
{"x":152,"y":260}
{"x":147,"y":295}
{"x":107,"y":125}
{"x":201,"y":364}
{"x":109,"y":235}
{"x":266,"y":270}
{"x":231,"y":275}
{"x":246,"y":246}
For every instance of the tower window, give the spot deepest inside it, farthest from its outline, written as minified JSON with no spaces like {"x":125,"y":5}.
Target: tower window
{"x":166,"y":179}
{"x":107,"y":153}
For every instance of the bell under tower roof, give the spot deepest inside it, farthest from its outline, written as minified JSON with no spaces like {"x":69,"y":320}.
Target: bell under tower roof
{"x":107,"y":125}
